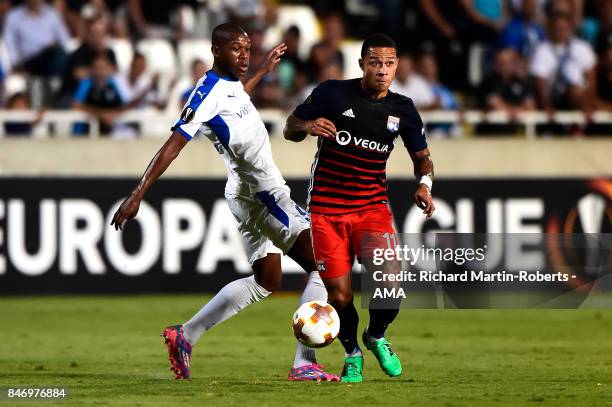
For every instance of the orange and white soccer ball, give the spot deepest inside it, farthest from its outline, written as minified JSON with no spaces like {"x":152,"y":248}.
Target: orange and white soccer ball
{"x":316,"y":324}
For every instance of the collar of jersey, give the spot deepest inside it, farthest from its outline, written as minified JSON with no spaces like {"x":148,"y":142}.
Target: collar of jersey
{"x":213,"y":74}
{"x":370,"y":98}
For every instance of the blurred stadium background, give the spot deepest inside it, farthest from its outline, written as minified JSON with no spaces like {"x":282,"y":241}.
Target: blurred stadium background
{"x":520,"y":130}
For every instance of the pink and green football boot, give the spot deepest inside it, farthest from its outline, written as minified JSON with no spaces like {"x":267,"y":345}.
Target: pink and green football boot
{"x":179,"y":350}
{"x":312,"y":372}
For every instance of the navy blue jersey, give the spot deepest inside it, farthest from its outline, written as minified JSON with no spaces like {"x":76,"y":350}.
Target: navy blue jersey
{"x":349,"y":172}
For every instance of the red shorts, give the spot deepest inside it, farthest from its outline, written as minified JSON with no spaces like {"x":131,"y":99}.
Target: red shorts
{"x":337,"y":239}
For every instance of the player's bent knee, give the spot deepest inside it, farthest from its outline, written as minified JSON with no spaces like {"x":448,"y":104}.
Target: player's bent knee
{"x":340,"y":299}
{"x":268,"y":272}
{"x":269,"y":282}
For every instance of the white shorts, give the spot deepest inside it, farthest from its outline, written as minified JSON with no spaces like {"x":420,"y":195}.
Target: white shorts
{"x":269,"y":221}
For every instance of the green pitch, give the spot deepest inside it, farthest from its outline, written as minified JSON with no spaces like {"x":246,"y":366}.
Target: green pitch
{"x":107,"y":351}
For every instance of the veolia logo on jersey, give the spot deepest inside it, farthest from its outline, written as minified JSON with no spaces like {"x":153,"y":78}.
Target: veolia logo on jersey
{"x":344,"y":138}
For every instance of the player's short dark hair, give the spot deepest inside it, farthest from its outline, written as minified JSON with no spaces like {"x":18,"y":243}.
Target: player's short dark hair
{"x":224,"y":33}
{"x":377,"y":41}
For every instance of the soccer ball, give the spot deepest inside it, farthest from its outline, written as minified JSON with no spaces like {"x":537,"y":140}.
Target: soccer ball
{"x":316,"y":324}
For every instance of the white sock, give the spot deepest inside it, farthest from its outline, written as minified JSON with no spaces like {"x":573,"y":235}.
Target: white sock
{"x":314,"y":290}
{"x":230,"y":300}
{"x":355,"y":352}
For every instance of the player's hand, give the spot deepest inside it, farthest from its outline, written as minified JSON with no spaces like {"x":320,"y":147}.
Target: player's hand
{"x":321,"y":127}
{"x":273,"y":58}
{"x":127,"y":210}
{"x":423,"y":200}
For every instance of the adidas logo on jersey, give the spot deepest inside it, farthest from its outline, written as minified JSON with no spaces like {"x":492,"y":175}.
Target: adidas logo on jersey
{"x":349,"y":113}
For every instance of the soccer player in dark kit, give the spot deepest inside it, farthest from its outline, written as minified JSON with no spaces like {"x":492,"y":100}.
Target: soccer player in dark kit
{"x":357,"y":122}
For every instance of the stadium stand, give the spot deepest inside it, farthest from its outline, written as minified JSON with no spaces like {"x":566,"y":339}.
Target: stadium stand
{"x":169,"y":57}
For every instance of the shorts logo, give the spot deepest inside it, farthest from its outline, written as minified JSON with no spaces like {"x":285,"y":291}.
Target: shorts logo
{"x":393,"y":123}
{"x":188,"y":114}
{"x":343,"y":137}
{"x":320,"y":266}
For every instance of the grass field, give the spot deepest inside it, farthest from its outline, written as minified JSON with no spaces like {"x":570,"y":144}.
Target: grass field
{"x":107,"y":351}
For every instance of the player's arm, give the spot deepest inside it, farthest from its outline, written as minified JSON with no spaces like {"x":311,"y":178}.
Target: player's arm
{"x":267,"y":66}
{"x":158,"y":165}
{"x":297,"y":129}
{"x":308,"y":118}
{"x":424,"y":172}
{"x":413,"y":133}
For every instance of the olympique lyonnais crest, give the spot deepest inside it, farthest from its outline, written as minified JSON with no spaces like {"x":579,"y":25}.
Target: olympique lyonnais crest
{"x":393,"y":123}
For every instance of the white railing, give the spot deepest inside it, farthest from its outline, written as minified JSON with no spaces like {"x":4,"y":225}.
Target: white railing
{"x":155,"y":123}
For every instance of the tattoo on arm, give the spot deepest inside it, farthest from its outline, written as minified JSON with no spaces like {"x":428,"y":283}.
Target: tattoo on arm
{"x":295,"y":129}
{"x":423,"y":164}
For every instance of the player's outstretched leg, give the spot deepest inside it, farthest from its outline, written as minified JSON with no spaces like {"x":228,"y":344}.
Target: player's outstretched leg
{"x":230,"y":300}
{"x":374,"y":339}
{"x":341,"y":298}
{"x":305,"y":366}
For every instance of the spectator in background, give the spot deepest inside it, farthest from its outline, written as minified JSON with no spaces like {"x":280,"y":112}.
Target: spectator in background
{"x":198,"y":69}
{"x":441,"y":26}
{"x":36,"y":36}
{"x":604,"y":34}
{"x":256,"y":31}
{"x":317,"y":60}
{"x":77,"y":13}
{"x":100,"y":96}
{"x":159,"y":20}
{"x":506,"y":89}
{"x":268,"y":94}
{"x":20,"y":102}
{"x":488,"y":16}
{"x":411,"y":84}
{"x":80,"y":61}
{"x":516,"y":7}
{"x":139,"y":87}
{"x":444,"y":97}
{"x":330,"y":71}
{"x":563,"y":65}
{"x":524,"y":32}
{"x":428,"y":68}
{"x":291,"y":65}
{"x":327,"y":50}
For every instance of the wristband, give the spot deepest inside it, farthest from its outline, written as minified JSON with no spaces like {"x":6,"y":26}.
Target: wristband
{"x":427,"y":181}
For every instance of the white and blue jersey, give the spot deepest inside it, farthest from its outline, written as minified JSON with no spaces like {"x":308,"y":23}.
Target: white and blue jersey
{"x":221,"y":110}
{"x":268,"y":219}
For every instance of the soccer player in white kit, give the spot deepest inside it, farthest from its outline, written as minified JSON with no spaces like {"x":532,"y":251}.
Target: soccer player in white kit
{"x":270,"y":223}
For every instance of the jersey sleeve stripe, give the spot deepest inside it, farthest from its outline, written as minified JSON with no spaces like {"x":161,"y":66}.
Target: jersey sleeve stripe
{"x":221,"y":129}
{"x":198,"y":96}
{"x":183,"y":133}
